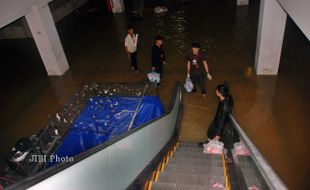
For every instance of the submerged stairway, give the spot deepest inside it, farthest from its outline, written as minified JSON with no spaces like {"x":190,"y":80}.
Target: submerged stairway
{"x":186,"y":167}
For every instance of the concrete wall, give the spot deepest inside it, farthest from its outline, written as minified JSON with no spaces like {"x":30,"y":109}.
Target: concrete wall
{"x":271,"y":28}
{"x":118,"y":6}
{"x":42,"y":26}
{"x":11,"y":10}
{"x":299,"y":11}
{"x":61,"y":8}
{"x":19,"y":29}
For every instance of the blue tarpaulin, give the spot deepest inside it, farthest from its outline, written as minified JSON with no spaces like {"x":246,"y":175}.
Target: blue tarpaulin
{"x":106,"y":117}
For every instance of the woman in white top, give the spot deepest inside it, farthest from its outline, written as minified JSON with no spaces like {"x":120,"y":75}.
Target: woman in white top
{"x":131,"y":48}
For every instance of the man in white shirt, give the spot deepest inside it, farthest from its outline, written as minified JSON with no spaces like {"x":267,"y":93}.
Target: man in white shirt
{"x":131,"y":41}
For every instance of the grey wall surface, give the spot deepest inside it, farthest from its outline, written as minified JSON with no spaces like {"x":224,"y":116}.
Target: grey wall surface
{"x":11,"y":11}
{"x":299,"y":11}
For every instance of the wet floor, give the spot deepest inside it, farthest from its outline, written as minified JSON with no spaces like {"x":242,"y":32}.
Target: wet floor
{"x":272,"y":110}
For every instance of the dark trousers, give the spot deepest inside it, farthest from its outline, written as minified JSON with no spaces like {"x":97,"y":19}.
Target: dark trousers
{"x":200,"y":79}
{"x":159,"y":69}
{"x":133,"y":60}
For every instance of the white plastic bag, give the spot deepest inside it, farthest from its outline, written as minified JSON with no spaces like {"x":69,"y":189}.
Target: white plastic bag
{"x":188,"y":85}
{"x":213,"y":147}
{"x":154,"y":77}
{"x":160,"y":9}
{"x":241,"y":149}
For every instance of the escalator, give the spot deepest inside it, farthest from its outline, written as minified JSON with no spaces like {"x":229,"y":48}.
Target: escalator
{"x":186,"y":167}
{"x":150,"y":156}
{"x":189,"y":168}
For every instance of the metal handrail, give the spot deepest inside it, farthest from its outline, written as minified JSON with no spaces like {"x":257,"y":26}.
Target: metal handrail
{"x":271,"y":178}
{"x":137,"y":108}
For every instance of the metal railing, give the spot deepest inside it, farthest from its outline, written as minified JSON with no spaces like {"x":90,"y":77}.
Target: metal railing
{"x":46,"y":142}
{"x":115,"y":163}
{"x":269,"y":176}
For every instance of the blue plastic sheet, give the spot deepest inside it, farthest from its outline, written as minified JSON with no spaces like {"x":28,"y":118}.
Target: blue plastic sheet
{"x":106,"y":117}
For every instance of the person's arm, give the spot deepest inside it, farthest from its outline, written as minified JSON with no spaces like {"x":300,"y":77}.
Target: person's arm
{"x":216,"y":138}
{"x":164,"y":56}
{"x":128,"y":54}
{"x":207,"y":69}
{"x":188,"y":68}
{"x":136,"y":39}
{"x":153,"y":58}
{"x":126,"y":46}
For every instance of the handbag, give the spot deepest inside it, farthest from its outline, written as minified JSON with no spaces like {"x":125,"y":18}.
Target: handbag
{"x":153,"y":77}
{"x":213,"y":147}
{"x":188,"y":85}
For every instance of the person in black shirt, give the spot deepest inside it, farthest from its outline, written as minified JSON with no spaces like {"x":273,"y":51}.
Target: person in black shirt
{"x":224,"y":108}
{"x":221,"y":118}
{"x":196,"y":65}
{"x":158,"y":56}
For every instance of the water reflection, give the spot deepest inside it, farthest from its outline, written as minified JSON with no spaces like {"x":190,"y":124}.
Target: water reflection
{"x":120,"y":27}
{"x":178,"y":31}
{"x":263,"y":104}
{"x":241,"y":28}
{"x":63,"y":87}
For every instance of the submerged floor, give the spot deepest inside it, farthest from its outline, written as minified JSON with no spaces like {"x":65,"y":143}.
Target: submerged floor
{"x":272,"y":110}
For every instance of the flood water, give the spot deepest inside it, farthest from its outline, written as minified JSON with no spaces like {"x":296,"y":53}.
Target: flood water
{"x":272,"y":110}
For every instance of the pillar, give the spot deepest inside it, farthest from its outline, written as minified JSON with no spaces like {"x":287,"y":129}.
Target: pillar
{"x":118,"y":6}
{"x":271,"y":26}
{"x":45,"y":35}
{"x":242,"y":2}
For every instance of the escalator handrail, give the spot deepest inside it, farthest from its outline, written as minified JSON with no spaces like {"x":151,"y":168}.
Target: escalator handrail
{"x":271,"y":178}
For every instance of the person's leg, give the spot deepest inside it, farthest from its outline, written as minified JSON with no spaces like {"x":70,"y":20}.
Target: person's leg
{"x":133,"y":57}
{"x":131,"y":60}
{"x":159,"y":70}
{"x":202,"y":85}
{"x":194,"y":81}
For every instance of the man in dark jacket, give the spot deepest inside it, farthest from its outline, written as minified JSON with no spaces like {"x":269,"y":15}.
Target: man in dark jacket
{"x":221,"y":118}
{"x":158,"y":56}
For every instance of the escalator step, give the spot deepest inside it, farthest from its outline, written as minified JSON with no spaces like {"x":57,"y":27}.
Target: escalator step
{"x":196,"y":155}
{"x":173,"y":186}
{"x":202,"y":170}
{"x":252,"y":177}
{"x":190,"y":179}
{"x":183,"y":144}
{"x":189,"y":155}
{"x":190,"y":149}
{"x":199,"y":162}
{"x":193,"y":154}
{"x":245,"y":162}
